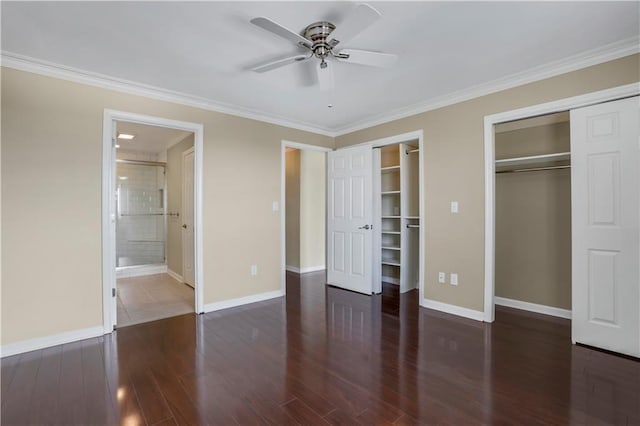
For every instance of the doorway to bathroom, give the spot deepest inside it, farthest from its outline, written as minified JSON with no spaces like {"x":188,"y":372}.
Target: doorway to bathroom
{"x":152,"y":249}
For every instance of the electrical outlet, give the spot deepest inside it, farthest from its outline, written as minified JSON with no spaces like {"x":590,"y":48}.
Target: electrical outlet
{"x":254,"y":269}
{"x":453,"y":279}
{"x":442,"y":277}
{"x":454,"y":207}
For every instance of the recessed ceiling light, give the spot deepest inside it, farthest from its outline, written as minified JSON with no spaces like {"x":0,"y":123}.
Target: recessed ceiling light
{"x":125,"y":136}
{"x":123,"y":177}
{"x":117,"y":146}
{"x":330,"y":106}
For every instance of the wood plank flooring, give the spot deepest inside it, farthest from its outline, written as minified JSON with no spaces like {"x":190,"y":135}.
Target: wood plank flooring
{"x":325,"y":356}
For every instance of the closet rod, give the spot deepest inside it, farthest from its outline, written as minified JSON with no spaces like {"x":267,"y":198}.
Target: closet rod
{"x":534,"y":169}
{"x":413,"y":226}
{"x":412,"y":151}
{"x":142,"y":163}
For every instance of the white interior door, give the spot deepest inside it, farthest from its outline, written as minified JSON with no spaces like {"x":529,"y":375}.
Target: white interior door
{"x":605,"y":191}
{"x":349,"y":219}
{"x":188,"y":242}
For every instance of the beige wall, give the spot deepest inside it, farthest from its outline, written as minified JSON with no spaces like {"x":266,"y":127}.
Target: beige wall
{"x":292,"y":205}
{"x":51,"y":201}
{"x":174,"y":203}
{"x":533,"y":221}
{"x":312,"y":208}
{"x":454,"y":170}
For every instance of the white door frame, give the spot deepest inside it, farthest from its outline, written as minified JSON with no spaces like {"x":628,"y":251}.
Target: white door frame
{"x":396,"y":139}
{"x":183,"y":204}
{"x":284,"y":144}
{"x":489,"y":168}
{"x":108,"y":201}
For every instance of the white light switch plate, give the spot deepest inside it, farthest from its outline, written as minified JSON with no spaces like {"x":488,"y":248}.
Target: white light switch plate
{"x":275,"y":206}
{"x":454,"y":207}
{"x":442,"y":277}
{"x":254,"y":269}
{"x":454,"y":279}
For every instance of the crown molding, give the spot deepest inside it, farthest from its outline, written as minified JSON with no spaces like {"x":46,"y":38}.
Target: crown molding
{"x":585,"y":59}
{"x":50,"y":69}
{"x":589,"y":58}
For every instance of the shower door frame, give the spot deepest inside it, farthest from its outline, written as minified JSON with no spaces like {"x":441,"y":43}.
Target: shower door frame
{"x":110,"y":118}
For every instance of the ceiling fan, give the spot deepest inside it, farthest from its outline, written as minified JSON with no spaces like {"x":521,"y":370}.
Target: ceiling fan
{"x":323,"y":40}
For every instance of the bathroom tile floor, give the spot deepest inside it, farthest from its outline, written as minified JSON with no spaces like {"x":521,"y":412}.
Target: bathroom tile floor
{"x":152,"y":297}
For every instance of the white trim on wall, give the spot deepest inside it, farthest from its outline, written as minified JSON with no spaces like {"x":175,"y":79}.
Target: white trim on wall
{"x":139,"y":271}
{"x":452,"y":309}
{"x":592,"y":57}
{"x":232,"y":303}
{"x":48,"y":341}
{"x":586,"y":59}
{"x":284,"y":144}
{"x":63,"y":72}
{"x":297,"y":270}
{"x":489,"y":168}
{"x":175,"y":275}
{"x":533,"y":307}
{"x":108,"y":219}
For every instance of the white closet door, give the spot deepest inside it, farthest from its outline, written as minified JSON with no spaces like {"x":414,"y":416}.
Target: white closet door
{"x":605,"y":188}
{"x":349,"y":219}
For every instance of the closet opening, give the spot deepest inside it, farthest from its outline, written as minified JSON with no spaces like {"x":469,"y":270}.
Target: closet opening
{"x":533,"y":214}
{"x":396,"y":236}
{"x":304,"y":228}
{"x":154,"y":217}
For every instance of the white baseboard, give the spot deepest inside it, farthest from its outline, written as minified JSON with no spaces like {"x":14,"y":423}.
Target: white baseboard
{"x":532,"y":307}
{"x":138,"y":271}
{"x":48,"y":341}
{"x":453,"y":309}
{"x":175,"y":275}
{"x":312,"y":269}
{"x":391,"y":280}
{"x":232,"y":303}
{"x":305,"y":270}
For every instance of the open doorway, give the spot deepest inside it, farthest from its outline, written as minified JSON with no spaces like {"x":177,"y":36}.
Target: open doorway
{"x":152,"y":217}
{"x":154,"y":223}
{"x":304,"y":215}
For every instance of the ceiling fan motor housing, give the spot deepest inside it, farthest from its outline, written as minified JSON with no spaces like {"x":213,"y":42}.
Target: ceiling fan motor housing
{"x":318,"y":33}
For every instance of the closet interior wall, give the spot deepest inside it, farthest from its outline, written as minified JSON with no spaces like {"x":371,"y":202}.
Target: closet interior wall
{"x":533,"y":213}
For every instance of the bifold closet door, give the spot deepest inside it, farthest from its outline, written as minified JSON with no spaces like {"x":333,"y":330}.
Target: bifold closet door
{"x":605,"y":191}
{"x":349,"y":219}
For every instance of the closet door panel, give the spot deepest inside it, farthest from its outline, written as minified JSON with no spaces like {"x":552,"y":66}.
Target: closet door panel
{"x":605,"y":192}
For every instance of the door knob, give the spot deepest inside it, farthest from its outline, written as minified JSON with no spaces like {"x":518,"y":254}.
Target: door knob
{"x":184,"y":226}
{"x":364,"y":227}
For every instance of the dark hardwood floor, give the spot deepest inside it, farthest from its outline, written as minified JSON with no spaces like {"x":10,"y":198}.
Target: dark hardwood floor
{"x":325,"y":356}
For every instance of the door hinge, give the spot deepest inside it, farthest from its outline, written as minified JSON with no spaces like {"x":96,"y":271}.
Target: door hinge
{"x":113,"y":292}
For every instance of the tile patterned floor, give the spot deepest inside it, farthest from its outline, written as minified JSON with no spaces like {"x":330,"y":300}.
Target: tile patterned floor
{"x":152,"y":297}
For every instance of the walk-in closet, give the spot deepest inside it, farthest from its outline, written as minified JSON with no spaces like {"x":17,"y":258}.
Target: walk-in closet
{"x":396,"y":207}
{"x":533,"y":213}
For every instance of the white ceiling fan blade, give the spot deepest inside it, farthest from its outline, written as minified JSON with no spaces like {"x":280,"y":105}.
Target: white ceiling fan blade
{"x":356,"y":22}
{"x":269,"y":25}
{"x":365,"y":57}
{"x":325,"y":76}
{"x":268,"y":66}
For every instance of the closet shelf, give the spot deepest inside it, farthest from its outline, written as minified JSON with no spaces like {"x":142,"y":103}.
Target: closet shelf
{"x":391,"y":248}
{"x":390,"y":263}
{"x":412,"y":217}
{"x":533,"y":159}
{"x":390,"y":169}
{"x":391,"y":217}
{"x":390,"y":192}
{"x":391,"y":232}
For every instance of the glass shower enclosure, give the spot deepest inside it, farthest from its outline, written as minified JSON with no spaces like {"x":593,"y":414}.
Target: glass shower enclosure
{"x":140,"y":214}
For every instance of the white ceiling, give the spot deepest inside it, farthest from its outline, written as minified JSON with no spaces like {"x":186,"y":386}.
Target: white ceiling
{"x":204,"y":48}
{"x":149,"y":139}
